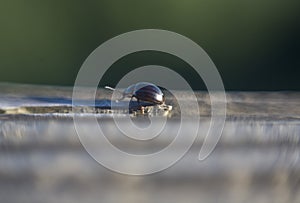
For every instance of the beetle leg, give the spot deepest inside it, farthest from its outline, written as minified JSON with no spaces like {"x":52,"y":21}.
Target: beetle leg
{"x":141,"y":107}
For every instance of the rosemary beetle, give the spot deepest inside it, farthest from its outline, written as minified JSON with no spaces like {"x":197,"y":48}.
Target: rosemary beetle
{"x":143,"y":91}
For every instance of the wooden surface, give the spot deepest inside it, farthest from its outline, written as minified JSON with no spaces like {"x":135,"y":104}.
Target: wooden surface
{"x":42,"y":160}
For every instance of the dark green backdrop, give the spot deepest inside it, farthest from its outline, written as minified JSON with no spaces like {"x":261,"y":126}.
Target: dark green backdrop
{"x":254,"y":44}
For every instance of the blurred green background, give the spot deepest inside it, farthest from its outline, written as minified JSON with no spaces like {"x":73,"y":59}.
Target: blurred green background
{"x":254,"y":44}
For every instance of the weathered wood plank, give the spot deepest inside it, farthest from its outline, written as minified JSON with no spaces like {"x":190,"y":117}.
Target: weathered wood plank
{"x":42,"y":160}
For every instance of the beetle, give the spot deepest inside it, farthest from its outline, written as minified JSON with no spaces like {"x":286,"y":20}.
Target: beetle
{"x":143,"y":91}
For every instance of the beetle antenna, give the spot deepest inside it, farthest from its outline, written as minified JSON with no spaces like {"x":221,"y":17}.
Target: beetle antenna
{"x":113,"y":89}
{"x":110,"y":88}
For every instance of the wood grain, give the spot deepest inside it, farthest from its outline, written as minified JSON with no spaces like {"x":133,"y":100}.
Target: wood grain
{"x":42,"y":159}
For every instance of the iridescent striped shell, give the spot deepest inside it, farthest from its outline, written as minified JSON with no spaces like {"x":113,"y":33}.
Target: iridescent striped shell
{"x":144,"y":91}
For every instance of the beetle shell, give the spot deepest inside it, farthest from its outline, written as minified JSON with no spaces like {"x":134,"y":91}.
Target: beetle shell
{"x":147,"y":92}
